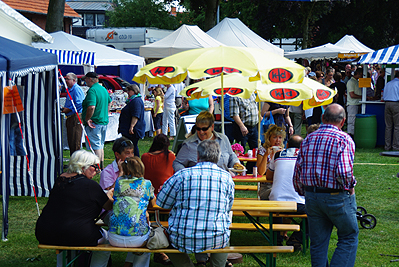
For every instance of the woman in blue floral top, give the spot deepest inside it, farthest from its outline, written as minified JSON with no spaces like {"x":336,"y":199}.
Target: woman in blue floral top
{"x":129,"y":226}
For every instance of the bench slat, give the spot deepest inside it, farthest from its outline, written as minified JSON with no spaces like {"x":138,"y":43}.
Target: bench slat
{"x":250,"y":226}
{"x":246,"y":187}
{"x":232,"y":249}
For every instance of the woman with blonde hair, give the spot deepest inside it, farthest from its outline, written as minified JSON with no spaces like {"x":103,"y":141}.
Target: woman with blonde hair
{"x":158,"y":109}
{"x":274,"y":138}
{"x":75,"y":202}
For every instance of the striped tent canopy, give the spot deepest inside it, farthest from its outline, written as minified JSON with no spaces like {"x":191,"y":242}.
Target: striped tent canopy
{"x":68,"y":57}
{"x":35,"y":74}
{"x":389,"y":55}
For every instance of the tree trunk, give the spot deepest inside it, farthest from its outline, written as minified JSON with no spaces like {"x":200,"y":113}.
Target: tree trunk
{"x":210,"y":14}
{"x":305,"y":25}
{"x":55,"y":16}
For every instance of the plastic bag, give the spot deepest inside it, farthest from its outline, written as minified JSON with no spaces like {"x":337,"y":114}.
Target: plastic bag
{"x":264,"y":126}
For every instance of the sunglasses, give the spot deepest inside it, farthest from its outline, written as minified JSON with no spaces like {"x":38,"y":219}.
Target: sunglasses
{"x":126,"y":143}
{"x":202,"y":129}
{"x":95,"y":167}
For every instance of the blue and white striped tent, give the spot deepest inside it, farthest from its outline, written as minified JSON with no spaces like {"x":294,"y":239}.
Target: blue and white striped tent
{"x":67,"y":57}
{"x":388,"y":55}
{"x":35,"y":74}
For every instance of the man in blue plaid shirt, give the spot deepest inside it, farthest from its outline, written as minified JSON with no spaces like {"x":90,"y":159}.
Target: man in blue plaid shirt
{"x":200,"y":199}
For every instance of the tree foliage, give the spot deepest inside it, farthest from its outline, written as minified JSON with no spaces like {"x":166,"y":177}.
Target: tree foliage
{"x":141,"y":13}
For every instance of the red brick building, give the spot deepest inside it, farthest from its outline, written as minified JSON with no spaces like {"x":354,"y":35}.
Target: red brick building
{"x":36,"y":11}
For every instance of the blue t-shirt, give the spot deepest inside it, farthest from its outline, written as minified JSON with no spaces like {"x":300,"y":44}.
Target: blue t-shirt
{"x":135,"y":108}
{"x":198,"y":105}
{"x":78,"y":96}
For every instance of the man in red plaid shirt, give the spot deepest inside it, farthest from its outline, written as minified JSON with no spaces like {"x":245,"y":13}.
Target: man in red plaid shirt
{"x":324,"y":175}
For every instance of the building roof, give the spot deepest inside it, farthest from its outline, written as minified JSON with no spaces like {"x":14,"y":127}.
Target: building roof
{"x":92,"y":6}
{"x":15,"y":27}
{"x":38,"y":7}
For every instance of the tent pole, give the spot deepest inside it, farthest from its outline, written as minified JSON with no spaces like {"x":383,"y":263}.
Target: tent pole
{"x":222,"y":115}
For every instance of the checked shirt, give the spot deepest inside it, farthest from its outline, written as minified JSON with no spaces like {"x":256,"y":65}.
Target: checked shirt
{"x":200,"y":199}
{"x":246,"y":109}
{"x":325,"y":160}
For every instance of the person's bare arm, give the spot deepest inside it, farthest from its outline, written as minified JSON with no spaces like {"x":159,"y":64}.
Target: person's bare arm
{"x":132,"y":124}
{"x":211,"y":106}
{"x":240,"y":124}
{"x":108,"y":205}
{"x":261,"y":163}
{"x":89,"y":114}
{"x":355,"y":96}
{"x":269,"y":175}
{"x":288,"y":120}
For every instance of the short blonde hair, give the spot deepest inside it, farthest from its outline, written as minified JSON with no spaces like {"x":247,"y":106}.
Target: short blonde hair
{"x":81,"y":160}
{"x":273,"y":130}
{"x":133,"y":166}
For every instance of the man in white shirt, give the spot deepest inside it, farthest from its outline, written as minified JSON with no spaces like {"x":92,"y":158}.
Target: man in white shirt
{"x":354,"y":94}
{"x":391,"y":98}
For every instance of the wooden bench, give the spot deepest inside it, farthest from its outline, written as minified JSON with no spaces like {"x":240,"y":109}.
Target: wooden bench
{"x":305,"y":239}
{"x":246,"y":187}
{"x":271,"y":251}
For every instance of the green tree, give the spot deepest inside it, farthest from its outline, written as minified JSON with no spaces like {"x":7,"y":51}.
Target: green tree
{"x":372,"y":22}
{"x":55,"y":16}
{"x":202,"y":11}
{"x":141,"y":13}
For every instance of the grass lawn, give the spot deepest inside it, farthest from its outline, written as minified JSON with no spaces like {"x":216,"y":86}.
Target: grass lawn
{"x":377,"y":191}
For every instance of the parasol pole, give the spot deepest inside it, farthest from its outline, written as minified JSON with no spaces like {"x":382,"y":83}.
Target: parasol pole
{"x":259,"y":122}
{"x":25,"y":150}
{"x":221,"y":81}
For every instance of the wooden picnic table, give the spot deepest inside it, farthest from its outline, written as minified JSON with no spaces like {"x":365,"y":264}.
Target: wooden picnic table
{"x":252,"y":159}
{"x":251,"y":179}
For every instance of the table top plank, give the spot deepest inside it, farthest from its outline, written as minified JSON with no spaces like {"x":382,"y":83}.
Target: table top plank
{"x":248,"y":159}
{"x":251,"y":179}
{"x":257,"y":205}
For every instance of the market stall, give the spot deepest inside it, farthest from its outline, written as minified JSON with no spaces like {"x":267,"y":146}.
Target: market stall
{"x":389,"y":58}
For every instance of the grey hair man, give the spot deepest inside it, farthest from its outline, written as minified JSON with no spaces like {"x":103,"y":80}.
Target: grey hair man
{"x":95,"y":114}
{"x":74,"y":129}
{"x":324,"y":175}
{"x":196,"y":197}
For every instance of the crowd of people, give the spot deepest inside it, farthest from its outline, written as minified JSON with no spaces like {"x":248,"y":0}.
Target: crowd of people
{"x":196,"y":184}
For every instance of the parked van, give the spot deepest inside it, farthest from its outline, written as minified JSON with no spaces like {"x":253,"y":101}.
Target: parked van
{"x":126,"y":39}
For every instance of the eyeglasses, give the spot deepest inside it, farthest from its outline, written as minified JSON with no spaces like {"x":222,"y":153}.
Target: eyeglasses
{"x":202,"y":129}
{"x":95,"y":167}
{"x":126,"y":143}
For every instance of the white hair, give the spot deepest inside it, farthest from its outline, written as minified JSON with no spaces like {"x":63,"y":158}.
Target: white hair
{"x":81,"y":160}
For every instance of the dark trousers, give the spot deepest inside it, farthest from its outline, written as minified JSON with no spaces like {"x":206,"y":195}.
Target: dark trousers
{"x":251,"y":138}
{"x":74,"y":133}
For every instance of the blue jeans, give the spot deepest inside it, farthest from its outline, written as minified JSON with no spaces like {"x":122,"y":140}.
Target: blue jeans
{"x":324,"y":211}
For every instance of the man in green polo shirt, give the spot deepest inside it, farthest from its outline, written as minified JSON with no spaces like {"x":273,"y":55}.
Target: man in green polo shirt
{"x":95,"y":114}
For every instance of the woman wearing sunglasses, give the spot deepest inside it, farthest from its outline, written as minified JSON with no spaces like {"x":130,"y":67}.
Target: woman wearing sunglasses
{"x":75,"y":202}
{"x":204,"y":130}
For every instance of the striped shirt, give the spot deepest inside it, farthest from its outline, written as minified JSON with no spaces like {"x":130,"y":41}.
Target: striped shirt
{"x":200,"y":199}
{"x":325,"y":160}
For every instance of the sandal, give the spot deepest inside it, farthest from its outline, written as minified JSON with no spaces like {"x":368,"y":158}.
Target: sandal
{"x":228,"y":264}
{"x":162,"y":258}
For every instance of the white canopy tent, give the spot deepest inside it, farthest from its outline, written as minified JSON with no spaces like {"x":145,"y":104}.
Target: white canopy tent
{"x":73,"y":50}
{"x":350,"y":42}
{"x":184,"y":38}
{"x":319,"y":52}
{"x":233,"y":32}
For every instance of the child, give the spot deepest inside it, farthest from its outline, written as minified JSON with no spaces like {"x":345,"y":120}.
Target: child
{"x":158,"y":109}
